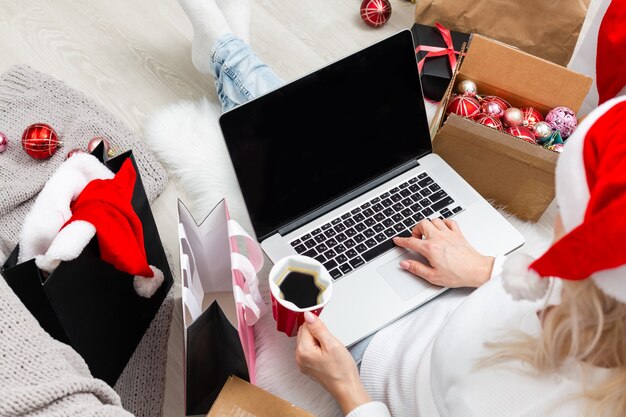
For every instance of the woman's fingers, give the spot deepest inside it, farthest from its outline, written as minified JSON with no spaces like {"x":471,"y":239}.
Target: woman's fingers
{"x":423,"y":228}
{"x":452,"y":225}
{"x":419,"y":269}
{"x":411,"y":243}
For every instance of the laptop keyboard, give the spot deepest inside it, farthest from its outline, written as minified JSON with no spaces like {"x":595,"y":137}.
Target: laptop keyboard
{"x":354,"y":238}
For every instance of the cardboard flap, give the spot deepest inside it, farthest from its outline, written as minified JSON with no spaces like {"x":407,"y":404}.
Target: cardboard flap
{"x":521,"y":75}
{"x":241,"y":399}
{"x":466,"y":130}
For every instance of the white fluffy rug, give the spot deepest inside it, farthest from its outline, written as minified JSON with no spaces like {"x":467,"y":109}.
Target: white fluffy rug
{"x":187,"y":139}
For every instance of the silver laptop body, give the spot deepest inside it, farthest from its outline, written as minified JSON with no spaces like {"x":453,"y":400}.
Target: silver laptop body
{"x":288,"y":148}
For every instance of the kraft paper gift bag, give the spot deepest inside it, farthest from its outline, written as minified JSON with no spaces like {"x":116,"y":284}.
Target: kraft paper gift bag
{"x":546,"y":29}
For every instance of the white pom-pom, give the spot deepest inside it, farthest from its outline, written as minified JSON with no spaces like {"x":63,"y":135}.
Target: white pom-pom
{"x":521,"y":282}
{"x":146,"y":287}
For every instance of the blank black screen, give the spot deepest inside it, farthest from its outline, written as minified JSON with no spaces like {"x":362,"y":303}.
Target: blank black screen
{"x":314,"y":139}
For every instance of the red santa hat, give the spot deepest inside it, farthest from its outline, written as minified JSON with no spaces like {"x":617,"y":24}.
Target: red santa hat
{"x":591,"y":196}
{"x":100,"y":205}
{"x":610,"y":55}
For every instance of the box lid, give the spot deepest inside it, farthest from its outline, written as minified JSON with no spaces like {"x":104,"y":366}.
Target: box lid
{"x":533,"y":80}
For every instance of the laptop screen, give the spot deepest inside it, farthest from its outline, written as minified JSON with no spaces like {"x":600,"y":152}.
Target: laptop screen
{"x":307,"y":143}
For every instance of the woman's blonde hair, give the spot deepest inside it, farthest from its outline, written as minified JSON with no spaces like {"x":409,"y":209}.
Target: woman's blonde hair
{"x":588,"y":326}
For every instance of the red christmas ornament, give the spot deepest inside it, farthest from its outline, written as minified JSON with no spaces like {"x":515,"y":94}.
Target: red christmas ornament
{"x":463,"y":106}
{"x":531,"y":117}
{"x":523,"y":133}
{"x":489,"y":121}
{"x":375,"y":12}
{"x":40,"y":141}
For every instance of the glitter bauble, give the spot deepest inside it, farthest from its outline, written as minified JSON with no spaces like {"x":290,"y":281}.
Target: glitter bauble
{"x":375,"y":12}
{"x":463,"y":106}
{"x":522,"y":132}
{"x":562,"y":119}
{"x":4,"y":142}
{"x":40,"y":141}
{"x":542,"y":130}
{"x":513,"y":117}
{"x":467,"y":88}
{"x":93,"y":144}
{"x":531,"y":117}
{"x":487,"y":120}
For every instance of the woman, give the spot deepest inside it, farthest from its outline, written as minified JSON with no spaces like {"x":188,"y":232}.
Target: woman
{"x":548,"y":350}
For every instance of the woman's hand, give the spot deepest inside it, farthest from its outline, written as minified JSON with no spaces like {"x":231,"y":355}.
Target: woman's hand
{"x":321,"y":356}
{"x":453,"y":261}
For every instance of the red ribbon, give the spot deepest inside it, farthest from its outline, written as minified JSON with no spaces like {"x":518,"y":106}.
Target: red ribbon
{"x":434,"y":51}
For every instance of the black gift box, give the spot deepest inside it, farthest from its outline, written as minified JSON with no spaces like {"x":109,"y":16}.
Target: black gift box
{"x":87,"y":303}
{"x":436,"y":72}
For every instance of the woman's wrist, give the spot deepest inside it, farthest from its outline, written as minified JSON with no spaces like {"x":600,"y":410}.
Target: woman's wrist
{"x":482,"y":273}
{"x":351,"y":396}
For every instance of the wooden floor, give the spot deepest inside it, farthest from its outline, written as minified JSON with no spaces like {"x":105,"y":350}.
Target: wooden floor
{"x":133,"y":57}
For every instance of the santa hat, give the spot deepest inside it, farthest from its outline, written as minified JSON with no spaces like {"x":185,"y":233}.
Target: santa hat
{"x":591,"y":195}
{"x":600,"y":53}
{"x":100,"y":206}
{"x":611,"y":55}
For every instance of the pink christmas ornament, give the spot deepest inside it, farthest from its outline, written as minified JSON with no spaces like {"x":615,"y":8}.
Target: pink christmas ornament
{"x":493,"y":108}
{"x":4,"y":142}
{"x":562,"y":119}
{"x":513,"y":117}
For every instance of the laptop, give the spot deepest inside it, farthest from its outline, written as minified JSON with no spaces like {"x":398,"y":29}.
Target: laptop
{"x":336,"y":163}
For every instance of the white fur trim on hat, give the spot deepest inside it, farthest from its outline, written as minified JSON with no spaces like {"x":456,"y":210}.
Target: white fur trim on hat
{"x":572,"y":192}
{"x":521,"y":282}
{"x":51,"y":208}
{"x":145,"y":286}
{"x":612,"y":282}
{"x":67,"y":245}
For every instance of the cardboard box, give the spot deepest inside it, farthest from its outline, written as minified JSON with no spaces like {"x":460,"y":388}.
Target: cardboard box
{"x":436,"y":72}
{"x":239,"y":398}
{"x":516,"y":175}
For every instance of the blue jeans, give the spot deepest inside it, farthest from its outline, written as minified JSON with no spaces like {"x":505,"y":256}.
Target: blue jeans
{"x":240,"y":76}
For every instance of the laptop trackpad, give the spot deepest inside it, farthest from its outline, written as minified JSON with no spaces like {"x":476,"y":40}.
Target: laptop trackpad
{"x":404,"y":283}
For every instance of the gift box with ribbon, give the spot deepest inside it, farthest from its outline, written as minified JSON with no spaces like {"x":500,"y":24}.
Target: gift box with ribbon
{"x":437,"y":50}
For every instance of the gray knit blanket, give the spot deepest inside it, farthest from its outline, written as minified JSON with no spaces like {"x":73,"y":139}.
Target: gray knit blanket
{"x":38,"y":375}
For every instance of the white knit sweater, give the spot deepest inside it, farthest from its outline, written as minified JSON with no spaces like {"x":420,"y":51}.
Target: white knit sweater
{"x":425,"y":363}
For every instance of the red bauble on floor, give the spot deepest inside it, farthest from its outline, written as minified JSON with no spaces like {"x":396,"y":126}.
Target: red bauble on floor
{"x":375,"y":12}
{"x":40,"y":141}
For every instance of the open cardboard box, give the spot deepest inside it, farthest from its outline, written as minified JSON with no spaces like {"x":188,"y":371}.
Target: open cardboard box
{"x":515,"y":175}
{"x":239,"y":398}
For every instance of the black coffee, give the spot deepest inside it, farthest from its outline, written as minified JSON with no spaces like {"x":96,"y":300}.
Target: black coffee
{"x":300,"y":288}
